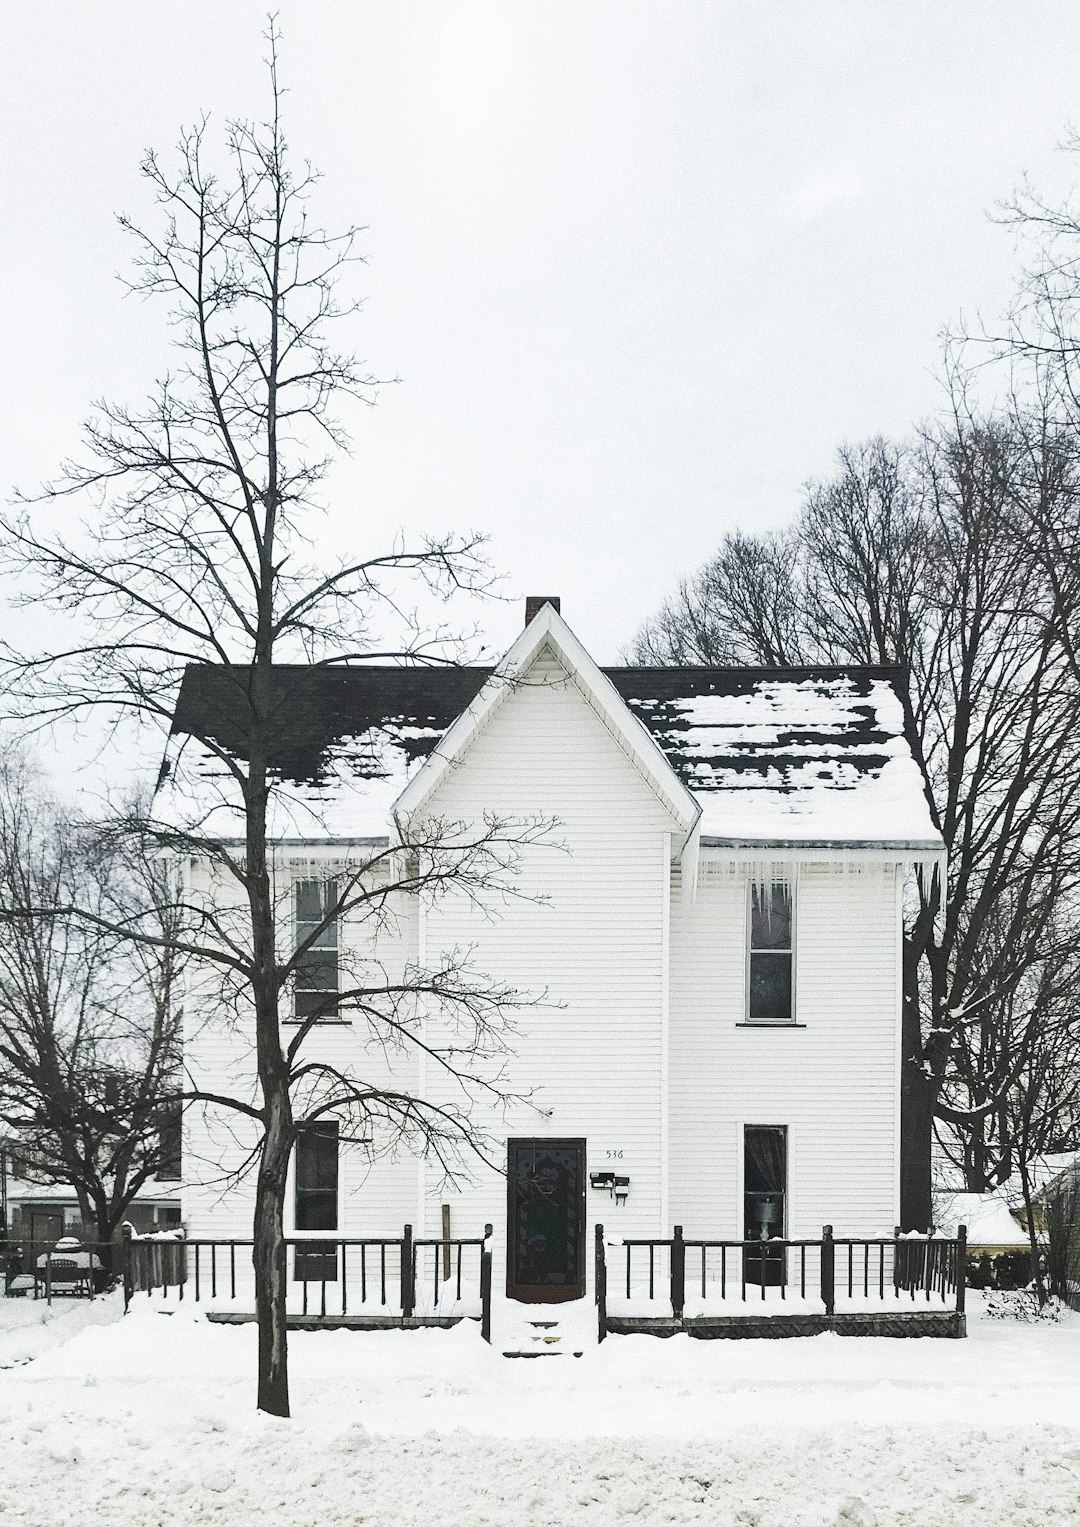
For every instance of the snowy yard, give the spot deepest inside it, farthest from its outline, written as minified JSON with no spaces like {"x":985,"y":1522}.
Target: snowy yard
{"x":148,"y":1420}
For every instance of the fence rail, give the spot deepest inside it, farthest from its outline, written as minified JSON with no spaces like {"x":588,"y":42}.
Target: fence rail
{"x":887,"y":1273}
{"x":372,"y":1278}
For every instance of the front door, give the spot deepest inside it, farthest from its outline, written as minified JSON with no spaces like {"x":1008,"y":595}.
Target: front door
{"x":545,"y":1243}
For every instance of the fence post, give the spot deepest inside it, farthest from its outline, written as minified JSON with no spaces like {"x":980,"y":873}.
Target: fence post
{"x":678,"y":1273}
{"x":125,"y":1258}
{"x":446,"y":1243}
{"x":407,"y":1297}
{"x":896,"y":1259}
{"x":48,"y":1277}
{"x":828,"y":1270}
{"x":961,"y":1267}
{"x":485,"y":1285}
{"x":601,"y":1285}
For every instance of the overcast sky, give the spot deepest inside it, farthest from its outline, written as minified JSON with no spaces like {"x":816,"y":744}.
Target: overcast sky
{"x":640,"y":267}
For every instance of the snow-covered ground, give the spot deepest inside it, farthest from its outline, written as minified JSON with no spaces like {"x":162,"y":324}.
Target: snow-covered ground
{"x":149,"y":1420}
{"x":29,"y":1327}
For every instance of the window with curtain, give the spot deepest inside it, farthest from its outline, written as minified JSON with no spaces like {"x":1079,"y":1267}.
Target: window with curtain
{"x":772,"y":926}
{"x":764,"y":1201}
{"x":316,"y":982}
{"x":315,"y":1201}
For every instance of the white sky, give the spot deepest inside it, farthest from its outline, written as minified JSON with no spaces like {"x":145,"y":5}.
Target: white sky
{"x":641,"y":267}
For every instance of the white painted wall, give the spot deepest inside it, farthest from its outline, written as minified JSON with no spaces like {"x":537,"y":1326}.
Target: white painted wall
{"x":595,"y":945}
{"x":832,"y":1080}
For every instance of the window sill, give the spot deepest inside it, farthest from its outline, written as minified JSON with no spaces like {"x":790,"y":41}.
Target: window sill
{"x":320,"y":1023}
{"x":766,"y":1023}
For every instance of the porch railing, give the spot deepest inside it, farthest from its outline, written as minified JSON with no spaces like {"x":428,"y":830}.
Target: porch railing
{"x":885,"y":1273}
{"x":418,"y":1279}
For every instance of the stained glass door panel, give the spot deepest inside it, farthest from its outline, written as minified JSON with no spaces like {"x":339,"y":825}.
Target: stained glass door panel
{"x":545,"y":1220}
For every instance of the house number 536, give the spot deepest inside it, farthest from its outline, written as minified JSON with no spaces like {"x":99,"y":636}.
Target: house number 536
{"x":614,"y":1155}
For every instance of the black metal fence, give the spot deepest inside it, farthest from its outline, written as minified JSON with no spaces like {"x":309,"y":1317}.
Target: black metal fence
{"x":371,"y":1278}
{"x":880,"y":1271}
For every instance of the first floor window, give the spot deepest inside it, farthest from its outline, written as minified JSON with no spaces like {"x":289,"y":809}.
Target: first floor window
{"x":764,"y":1200}
{"x":316,"y":985}
{"x":771,"y":953}
{"x":316,"y":1199}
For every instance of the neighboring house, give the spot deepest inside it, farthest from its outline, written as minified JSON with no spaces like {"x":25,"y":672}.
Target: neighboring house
{"x":719,"y":944}
{"x":993,"y":1226}
{"x":40,"y":1210}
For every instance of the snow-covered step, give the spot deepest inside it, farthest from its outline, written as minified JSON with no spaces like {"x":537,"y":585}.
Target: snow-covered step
{"x":542,"y":1338}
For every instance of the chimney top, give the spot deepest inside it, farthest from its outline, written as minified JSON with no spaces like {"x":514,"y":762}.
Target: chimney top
{"x":534,"y":603}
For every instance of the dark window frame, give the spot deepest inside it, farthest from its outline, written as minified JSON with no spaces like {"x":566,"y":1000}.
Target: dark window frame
{"x":310,"y":999}
{"x":316,"y":1260}
{"x":770,"y":952}
{"x":170,"y":1127}
{"x":766,"y":1265}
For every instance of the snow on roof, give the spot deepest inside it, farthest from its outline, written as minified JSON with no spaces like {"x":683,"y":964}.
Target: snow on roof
{"x":806,"y":756}
{"x":346,"y":742}
{"x":351,"y":797}
{"x":772,"y":755}
{"x":988,"y":1218}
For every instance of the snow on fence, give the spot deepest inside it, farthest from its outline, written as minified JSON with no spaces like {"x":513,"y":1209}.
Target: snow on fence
{"x":662,"y":1284}
{"x":372,"y":1280}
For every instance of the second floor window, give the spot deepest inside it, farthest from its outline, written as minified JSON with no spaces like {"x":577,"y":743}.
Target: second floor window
{"x":316,"y":986}
{"x":772,"y":927}
{"x":170,"y":1122}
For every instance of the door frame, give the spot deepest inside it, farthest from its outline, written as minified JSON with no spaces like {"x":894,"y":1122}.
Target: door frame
{"x":544,"y":1293}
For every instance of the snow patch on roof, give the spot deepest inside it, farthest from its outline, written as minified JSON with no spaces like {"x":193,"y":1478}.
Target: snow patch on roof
{"x":812,"y":760}
{"x":353,"y":797}
{"x":988,"y":1217}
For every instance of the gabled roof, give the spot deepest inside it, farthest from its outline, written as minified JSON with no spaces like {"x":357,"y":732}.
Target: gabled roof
{"x":548,"y":631}
{"x":797,"y":756}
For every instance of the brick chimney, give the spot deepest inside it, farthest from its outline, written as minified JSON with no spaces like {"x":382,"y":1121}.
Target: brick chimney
{"x":534,"y":603}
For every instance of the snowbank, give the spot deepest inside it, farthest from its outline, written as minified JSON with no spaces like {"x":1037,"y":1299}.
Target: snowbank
{"x":30,"y":1327}
{"x":150,"y":1421}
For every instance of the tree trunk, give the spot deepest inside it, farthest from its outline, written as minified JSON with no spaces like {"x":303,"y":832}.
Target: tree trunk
{"x":975,"y":1175}
{"x":917,"y":1093}
{"x":1033,"y":1239}
{"x":103,"y":1233}
{"x":270,"y":1259}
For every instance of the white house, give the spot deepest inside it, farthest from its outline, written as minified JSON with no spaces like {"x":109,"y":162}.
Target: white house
{"x":717,"y":941}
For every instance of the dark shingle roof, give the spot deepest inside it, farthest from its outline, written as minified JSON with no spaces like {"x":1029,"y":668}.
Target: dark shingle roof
{"x":315,"y":708}
{"x":774,"y":724}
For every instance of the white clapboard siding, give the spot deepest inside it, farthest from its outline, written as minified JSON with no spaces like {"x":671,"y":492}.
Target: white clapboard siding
{"x":832,"y":1081}
{"x":377,"y":1186}
{"x":594,"y":944}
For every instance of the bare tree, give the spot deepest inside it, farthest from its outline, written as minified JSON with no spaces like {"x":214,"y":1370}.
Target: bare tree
{"x":201,"y":551}
{"x":918,"y":556}
{"x":1039,"y":344}
{"x":89,"y":1022}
